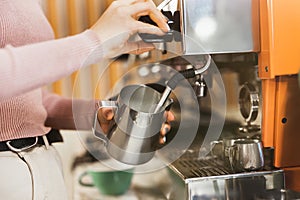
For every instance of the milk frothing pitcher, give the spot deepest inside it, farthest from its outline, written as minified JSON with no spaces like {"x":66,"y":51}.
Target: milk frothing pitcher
{"x":134,"y":137}
{"x":246,"y":155}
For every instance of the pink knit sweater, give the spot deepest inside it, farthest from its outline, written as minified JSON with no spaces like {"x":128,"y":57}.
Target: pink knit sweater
{"x":30,"y":59}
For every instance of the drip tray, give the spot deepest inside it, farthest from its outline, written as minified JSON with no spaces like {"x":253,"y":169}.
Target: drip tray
{"x":191,"y":168}
{"x":208,"y":178}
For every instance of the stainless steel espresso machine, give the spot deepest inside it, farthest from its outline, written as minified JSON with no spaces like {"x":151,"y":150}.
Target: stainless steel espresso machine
{"x":230,"y":32}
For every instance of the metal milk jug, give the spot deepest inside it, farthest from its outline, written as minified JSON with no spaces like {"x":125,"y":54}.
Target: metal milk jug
{"x":134,"y":137}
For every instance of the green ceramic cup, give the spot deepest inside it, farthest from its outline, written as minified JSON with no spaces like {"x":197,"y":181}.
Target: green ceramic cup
{"x":108,"y":182}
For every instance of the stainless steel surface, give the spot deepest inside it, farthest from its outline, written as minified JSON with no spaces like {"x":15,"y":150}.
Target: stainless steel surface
{"x":195,"y":178}
{"x":196,"y":168}
{"x":249,"y":102}
{"x":246,"y":155}
{"x":200,"y":87}
{"x":223,"y":149}
{"x":199,"y":71}
{"x":239,"y":154}
{"x":135,"y":135}
{"x":163,"y":98}
{"x":219,"y":26}
{"x":279,"y":195}
{"x":168,"y":89}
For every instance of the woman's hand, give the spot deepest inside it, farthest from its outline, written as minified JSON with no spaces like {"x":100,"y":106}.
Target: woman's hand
{"x":166,"y":127}
{"x":105,"y":118}
{"x":120,"y":21}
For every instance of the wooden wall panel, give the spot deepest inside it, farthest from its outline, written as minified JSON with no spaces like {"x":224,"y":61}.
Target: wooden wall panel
{"x":69,"y":17}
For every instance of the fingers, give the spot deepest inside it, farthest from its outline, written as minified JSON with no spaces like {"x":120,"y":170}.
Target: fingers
{"x":138,"y":47}
{"x":128,"y":2}
{"x":169,"y":116}
{"x":137,"y":8}
{"x":165,"y":129}
{"x":148,"y":8}
{"x":120,"y":21}
{"x":162,"y":140}
{"x":142,"y":27}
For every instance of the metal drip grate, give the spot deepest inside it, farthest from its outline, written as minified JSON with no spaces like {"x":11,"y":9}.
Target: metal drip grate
{"x":190,"y":168}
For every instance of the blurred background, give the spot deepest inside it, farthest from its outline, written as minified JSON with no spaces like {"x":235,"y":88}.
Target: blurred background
{"x":69,"y":17}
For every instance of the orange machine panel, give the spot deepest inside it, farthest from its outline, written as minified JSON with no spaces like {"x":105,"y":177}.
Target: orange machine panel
{"x":279,"y":65}
{"x":268,"y":110}
{"x":287,"y":122}
{"x":280,"y":38}
{"x":292,"y":177}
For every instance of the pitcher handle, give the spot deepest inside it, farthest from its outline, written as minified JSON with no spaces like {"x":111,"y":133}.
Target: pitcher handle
{"x":102,"y":104}
{"x":80,"y":180}
{"x":212,"y":145}
{"x":231,"y":156}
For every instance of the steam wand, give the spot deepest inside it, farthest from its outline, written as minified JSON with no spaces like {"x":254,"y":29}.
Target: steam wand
{"x":172,"y":83}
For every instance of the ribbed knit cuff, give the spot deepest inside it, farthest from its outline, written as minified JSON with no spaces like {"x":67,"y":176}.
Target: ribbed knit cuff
{"x":96,"y":49}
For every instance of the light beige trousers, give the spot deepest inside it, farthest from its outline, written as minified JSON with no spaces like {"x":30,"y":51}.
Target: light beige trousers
{"x":32,"y":175}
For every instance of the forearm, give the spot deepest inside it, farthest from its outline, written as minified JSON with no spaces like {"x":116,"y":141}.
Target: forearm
{"x":67,"y":113}
{"x":29,"y":67}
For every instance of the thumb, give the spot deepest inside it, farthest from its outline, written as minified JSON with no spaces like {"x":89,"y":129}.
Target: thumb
{"x":105,"y":114}
{"x":138,"y":47}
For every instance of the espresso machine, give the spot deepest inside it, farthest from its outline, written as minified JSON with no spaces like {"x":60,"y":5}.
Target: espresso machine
{"x":254,"y":45}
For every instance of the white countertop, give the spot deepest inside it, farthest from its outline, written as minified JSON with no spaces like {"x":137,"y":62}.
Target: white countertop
{"x":147,"y":186}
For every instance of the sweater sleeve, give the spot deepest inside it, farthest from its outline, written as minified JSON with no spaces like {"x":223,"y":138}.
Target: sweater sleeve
{"x":31,"y":66}
{"x":67,"y":113}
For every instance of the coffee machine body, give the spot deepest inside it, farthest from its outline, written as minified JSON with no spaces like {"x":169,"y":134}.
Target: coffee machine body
{"x":251,"y":41}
